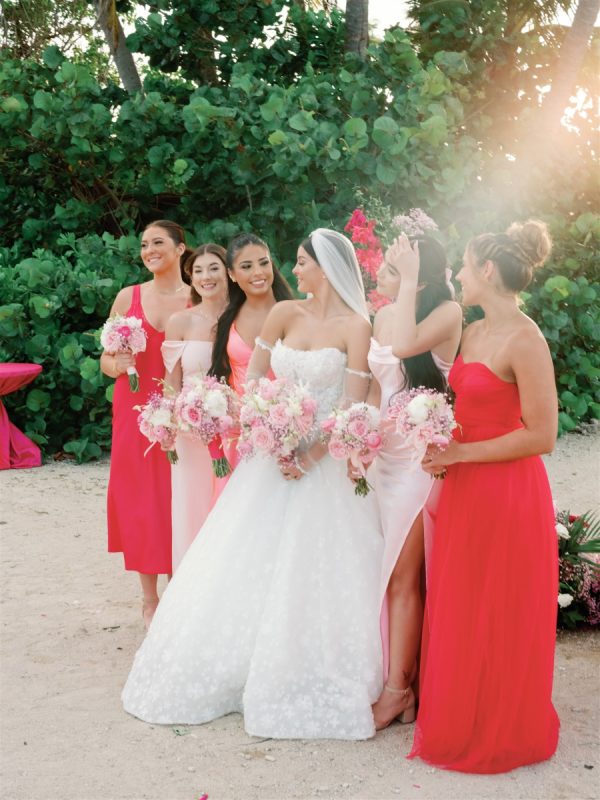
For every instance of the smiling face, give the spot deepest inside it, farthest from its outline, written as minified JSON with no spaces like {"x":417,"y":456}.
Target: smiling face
{"x":252,"y":269}
{"x":159,"y":252}
{"x":209,"y":277}
{"x":309,"y":274}
{"x":388,"y":280}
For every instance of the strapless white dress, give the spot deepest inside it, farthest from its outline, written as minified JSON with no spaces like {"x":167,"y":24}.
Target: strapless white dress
{"x":274,"y":611}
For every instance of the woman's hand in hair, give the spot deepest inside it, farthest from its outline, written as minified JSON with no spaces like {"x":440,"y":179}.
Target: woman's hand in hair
{"x":404,"y":257}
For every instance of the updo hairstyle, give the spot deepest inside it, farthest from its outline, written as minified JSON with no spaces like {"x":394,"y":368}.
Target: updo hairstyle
{"x":516,"y":253}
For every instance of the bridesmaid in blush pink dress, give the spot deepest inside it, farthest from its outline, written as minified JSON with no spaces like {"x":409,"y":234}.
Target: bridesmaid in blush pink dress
{"x":187,"y":351}
{"x":256,"y":285}
{"x":415,"y":340}
{"x":139,"y":486}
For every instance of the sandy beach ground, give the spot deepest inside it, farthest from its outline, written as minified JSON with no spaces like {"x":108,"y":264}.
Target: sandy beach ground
{"x":71,"y":622}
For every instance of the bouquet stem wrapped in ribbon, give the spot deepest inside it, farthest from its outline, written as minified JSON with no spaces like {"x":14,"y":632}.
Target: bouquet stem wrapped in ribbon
{"x":275,"y":416}
{"x":124,"y":334}
{"x":208,"y":409}
{"x":354,"y":433}
{"x":423,"y":417}
{"x":157,"y":423}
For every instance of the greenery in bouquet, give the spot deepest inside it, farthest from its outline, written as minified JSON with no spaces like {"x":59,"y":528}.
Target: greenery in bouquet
{"x":579,"y":569}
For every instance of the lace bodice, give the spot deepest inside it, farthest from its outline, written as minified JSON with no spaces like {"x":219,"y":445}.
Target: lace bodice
{"x":322,"y":371}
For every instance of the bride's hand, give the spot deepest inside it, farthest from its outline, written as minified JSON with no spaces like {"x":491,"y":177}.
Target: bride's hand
{"x":295,"y":467}
{"x":353,"y":471}
{"x":404,"y":257}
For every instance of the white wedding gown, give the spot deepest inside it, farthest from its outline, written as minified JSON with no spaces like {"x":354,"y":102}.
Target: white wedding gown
{"x":274,"y":610}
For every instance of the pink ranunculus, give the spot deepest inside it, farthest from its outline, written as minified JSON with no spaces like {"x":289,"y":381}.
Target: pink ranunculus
{"x":328,"y":424}
{"x":191,"y":414}
{"x":124,"y":330}
{"x":279,"y":415}
{"x":244,"y":449}
{"x":373,"y":441}
{"x":247,"y":415}
{"x":337,"y":450}
{"x":225,"y":423}
{"x":262,"y":438}
{"x":305,"y":422}
{"x":309,"y":405}
{"x":358,"y":427}
{"x":267,"y":390}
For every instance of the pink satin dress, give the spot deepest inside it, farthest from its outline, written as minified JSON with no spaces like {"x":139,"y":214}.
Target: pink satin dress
{"x":194,"y":486}
{"x":403,"y":488}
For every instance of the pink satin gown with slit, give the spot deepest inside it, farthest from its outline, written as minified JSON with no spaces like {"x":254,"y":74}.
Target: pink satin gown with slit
{"x":403,"y":488}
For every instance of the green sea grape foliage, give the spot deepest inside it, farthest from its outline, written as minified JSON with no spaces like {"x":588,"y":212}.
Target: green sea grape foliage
{"x":271,"y":128}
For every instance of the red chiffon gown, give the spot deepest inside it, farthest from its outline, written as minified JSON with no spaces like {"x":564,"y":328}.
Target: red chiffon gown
{"x":488,"y":648}
{"x":139,"y":487}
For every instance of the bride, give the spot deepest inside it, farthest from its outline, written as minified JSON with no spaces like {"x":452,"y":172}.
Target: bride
{"x":274,"y":610}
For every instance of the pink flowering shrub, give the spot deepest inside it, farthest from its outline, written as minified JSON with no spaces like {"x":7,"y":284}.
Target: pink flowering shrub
{"x":370,"y":247}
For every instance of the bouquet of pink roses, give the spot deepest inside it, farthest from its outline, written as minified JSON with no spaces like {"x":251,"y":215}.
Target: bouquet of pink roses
{"x":156,"y":421}
{"x":423,"y":416}
{"x":208,"y":409}
{"x":354,"y":433}
{"x":120,"y":334}
{"x":275,"y":416}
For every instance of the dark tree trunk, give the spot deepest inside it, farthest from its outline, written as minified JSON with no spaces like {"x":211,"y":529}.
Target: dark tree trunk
{"x":570,"y":59}
{"x":115,"y":38}
{"x":357,"y":27}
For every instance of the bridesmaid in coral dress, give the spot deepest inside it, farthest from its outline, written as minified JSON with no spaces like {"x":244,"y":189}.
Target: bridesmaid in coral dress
{"x":414,"y":343}
{"x":256,"y":286}
{"x":139,"y":487}
{"x":187,"y":351}
{"x":486,"y":687}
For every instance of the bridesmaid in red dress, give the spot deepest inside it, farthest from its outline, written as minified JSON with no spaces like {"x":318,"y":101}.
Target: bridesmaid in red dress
{"x":257,"y":286}
{"x":488,"y":658}
{"x":139,"y":487}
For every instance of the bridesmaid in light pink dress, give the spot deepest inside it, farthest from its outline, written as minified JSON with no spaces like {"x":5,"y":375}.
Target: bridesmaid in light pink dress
{"x":187,"y":350}
{"x":255,"y":286}
{"x":414,"y":343}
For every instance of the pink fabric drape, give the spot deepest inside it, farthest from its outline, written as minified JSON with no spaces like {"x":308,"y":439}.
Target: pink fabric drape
{"x":16,"y":450}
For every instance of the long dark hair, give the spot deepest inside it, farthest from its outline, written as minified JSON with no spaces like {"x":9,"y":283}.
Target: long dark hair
{"x":220,"y":365}
{"x":188,"y":267}
{"x":175,"y":232}
{"x":421,"y":370}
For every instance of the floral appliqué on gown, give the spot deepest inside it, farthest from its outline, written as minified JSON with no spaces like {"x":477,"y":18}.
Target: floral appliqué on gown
{"x":274,"y":611}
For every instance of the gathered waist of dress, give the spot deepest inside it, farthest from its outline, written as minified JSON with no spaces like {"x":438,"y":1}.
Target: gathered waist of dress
{"x":482,"y":431}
